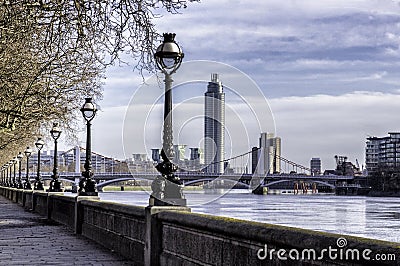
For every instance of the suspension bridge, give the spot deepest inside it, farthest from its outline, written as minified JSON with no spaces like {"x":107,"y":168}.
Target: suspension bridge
{"x":240,"y":171}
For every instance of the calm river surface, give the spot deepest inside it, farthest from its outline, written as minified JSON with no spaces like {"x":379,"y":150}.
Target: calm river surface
{"x":369,"y":217}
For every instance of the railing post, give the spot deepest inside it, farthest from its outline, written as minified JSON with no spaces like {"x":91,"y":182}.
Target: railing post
{"x":153,"y":237}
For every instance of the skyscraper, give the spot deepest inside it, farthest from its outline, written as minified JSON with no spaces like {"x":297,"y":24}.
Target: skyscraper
{"x":214,"y":125}
{"x":268,"y":154}
{"x":315,"y":166}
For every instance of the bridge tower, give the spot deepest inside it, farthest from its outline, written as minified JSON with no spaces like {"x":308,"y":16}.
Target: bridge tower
{"x":77,"y":155}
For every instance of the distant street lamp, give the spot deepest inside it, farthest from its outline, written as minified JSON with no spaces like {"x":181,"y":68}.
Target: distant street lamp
{"x":55,"y":184}
{"x":10,"y":164}
{"x":87,"y":186}
{"x":3,"y":176}
{"x":38,"y":182}
{"x":15,"y":183}
{"x":9,"y":182}
{"x":20,"y":184}
{"x":28,"y":153}
{"x":167,"y":189}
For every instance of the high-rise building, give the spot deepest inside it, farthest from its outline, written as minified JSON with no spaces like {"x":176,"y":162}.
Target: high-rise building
{"x":268,"y":154}
{"x":214,"y":125}
{"x":315,"y":166}
{"x":194,"y":154}
{"x":155,"y":155}
{"x":383,"y":153}
{"x":179,"y":152}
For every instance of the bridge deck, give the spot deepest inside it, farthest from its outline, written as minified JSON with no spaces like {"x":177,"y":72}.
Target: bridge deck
{"x":27,"y":239}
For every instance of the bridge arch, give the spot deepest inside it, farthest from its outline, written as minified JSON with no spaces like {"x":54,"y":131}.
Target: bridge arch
{"x":60,"y":178}
{"x":308,"y":181}
{"x":213,"y":179}
{"x":108,"y":182}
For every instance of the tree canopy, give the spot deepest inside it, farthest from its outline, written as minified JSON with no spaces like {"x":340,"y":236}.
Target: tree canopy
{"x":53,"y":54}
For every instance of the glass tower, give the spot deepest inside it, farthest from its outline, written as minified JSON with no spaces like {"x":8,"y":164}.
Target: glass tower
{"x":214,"y":126}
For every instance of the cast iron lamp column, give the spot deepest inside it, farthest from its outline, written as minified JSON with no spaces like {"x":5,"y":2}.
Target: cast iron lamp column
{"x":10,"y":165}
{"x":28,"y":153}
{"x":15,"y":183}
{"x":2,"y":176}
{"x":167,"y":188}
{"x":38,"y":182}
{"x":87,"y":186}
{"x":55,"y":184}
{"x":9,"y":182}
{"x":3,"y":171}
{"x":20,"y":184}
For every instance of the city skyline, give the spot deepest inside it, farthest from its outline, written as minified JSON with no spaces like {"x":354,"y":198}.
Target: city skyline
{"x":329,"y":70}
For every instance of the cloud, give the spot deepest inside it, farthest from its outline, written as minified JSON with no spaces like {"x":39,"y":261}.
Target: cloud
{"x":310,"y":58}
{"x":326,"y":125}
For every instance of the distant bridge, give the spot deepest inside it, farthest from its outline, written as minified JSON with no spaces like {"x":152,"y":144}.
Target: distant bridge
{"x":192,"y":178}
{"x":237,"y":174}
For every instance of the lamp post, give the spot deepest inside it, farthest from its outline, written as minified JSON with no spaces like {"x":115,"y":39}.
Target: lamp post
{"x":9,"y":175}
{"x":10,"y":165}
{"x":167,"y":188}
{"x":20,"y":156}
{"x":55,"y":184}
{"x":87,"y":186}
{"x":15,"y":183}
{"x":28,"y":153}
{"x":3,"y":173}
{"x":38,"y":182}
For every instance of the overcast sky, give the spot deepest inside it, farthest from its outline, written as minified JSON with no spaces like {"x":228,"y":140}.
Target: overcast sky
{"x":328,"y":69}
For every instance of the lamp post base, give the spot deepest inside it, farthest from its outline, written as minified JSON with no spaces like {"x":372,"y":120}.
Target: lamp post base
{"x":55,"y":186}
{"x":87,"y":186}
{"x":166,"y":193}
{"x":28,"y":186}
{"x":38,"y":185}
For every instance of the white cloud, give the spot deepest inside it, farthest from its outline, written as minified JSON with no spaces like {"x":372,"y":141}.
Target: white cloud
{"x":324,"y":125}
{"x":291,"y":48}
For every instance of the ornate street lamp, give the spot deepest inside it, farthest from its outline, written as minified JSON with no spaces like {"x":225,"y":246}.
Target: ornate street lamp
{"x":15,"y":183}
{"x":10,"y":165}
{"x":38,"y":182}
{"x":55,"y":184}
{"x":3,"y":172}
{"x":19,"y":157}
{"x":87,"y":186}
{"x":167,"y":188}
{"x":2,"y":176}
{"x":9,"y":182}
{"x":28,"y":153}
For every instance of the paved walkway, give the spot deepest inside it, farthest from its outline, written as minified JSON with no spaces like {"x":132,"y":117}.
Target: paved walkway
{"x":28,"y":239}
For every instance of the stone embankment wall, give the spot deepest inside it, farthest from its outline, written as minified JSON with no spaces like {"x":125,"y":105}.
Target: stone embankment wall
{"x":175,"y":236}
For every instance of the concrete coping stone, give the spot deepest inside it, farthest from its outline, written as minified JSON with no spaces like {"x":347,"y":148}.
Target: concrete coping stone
{"x":113,"y":207}
{"x":61,"y":197}
{"x":41,"y":193}
{"x":282,"y":236}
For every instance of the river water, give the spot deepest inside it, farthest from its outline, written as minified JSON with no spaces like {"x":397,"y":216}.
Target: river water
{"x":377,"y":218}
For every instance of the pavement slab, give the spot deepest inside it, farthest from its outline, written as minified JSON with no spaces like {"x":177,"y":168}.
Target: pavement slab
{"x":26,"y":238}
